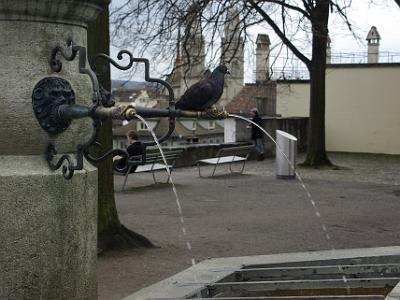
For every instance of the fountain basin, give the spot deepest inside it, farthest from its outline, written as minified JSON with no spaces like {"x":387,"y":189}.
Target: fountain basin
{"x":370,"y":273}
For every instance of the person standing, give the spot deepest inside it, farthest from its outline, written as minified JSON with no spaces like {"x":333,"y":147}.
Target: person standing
{"x":257,"y":134}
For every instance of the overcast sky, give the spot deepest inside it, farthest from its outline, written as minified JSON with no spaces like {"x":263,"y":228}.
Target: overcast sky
{"x":385,"y":15}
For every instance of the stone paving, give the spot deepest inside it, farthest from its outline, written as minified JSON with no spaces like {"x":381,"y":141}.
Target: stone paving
{"x":252,"y":214}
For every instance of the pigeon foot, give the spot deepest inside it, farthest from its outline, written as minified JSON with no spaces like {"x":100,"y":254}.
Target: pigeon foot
{"x":215,"y":113}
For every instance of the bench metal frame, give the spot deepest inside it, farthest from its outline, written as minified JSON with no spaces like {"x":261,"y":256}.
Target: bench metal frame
{"x":152,"y":163}
{"x":238,"y":154}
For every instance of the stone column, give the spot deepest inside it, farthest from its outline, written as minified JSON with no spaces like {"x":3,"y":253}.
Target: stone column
{"x":47,"y":223}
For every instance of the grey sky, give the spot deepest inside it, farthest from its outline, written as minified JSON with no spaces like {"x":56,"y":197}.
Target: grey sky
{"x":384,"y":14}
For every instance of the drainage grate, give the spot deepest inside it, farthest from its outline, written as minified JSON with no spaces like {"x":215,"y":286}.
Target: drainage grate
{"x":353,"y":278}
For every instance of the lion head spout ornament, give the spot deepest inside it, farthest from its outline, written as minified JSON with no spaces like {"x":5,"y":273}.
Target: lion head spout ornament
{"x":48,"y":94}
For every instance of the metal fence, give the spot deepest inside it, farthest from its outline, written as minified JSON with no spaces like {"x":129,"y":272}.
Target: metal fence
{"x":292,"y":68}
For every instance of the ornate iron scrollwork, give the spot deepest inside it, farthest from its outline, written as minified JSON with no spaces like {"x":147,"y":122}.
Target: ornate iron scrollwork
{"x":171,"y":100}
{"x":54,"y":105}
{"x":56,"y":65}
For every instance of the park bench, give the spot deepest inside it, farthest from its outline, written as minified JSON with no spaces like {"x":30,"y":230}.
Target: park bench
{"x":228,"y":155}
{"x":151,"y":162}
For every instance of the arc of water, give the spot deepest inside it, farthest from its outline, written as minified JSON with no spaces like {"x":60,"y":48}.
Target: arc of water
{"x":313,"y":203}
{"x":178,"y":202}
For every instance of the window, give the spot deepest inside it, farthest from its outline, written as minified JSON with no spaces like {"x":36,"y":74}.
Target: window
{"x":141,"y":126}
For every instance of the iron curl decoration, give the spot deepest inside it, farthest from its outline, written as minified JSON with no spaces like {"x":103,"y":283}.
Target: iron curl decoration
{"x":171,"y":101}
{"x":111,"y":61}
{"x":56,"y":65}
{"x":65,"y":160}
{"x":113,"y":152}
{"x":70,"y":165}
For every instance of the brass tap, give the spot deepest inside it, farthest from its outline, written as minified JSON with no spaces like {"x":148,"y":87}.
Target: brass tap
{"x":118,"y":111}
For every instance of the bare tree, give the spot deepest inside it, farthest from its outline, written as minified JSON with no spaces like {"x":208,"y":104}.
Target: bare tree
{"x":154,"y":28}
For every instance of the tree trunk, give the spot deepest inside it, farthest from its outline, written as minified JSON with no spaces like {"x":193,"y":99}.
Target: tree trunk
{"x":316,"y":151}
{"x":111,"y":233}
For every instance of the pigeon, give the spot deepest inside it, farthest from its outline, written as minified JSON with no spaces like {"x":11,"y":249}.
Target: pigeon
{"x":204,"y":94}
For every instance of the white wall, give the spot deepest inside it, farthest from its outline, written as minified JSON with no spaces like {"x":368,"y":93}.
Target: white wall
{"x":362,"y":108}
{"x":292,"y":99}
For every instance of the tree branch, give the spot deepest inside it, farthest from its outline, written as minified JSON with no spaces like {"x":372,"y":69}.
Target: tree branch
{"x":289,"y":6}
{"x":281,"y":35}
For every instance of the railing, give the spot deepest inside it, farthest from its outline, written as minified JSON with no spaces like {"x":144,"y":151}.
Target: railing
{"x":292,"y":68}
{"x":362,"y":57}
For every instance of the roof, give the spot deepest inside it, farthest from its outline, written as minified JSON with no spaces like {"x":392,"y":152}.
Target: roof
{"x":373,"y":34}
{"x":263,"y":39}
{"x":246,"y":99}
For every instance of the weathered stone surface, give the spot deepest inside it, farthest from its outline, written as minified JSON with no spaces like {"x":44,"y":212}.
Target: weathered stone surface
{"x":47,"y":223}
{"x":48,"y":231}
{"x":76,"y":12}
{"x":27,"y":48}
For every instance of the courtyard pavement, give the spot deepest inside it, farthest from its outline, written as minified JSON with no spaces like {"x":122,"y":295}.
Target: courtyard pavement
{"x":252,"y":214}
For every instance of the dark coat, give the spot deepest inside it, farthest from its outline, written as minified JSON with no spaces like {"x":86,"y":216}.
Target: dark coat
{"x":133,"y":150}
{"x":256,"y":133}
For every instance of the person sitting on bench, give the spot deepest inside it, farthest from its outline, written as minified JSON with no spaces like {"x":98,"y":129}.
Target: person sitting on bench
{"x":135,"y":148}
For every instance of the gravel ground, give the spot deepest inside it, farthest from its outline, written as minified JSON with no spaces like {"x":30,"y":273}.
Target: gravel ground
{"x":252,"y":214}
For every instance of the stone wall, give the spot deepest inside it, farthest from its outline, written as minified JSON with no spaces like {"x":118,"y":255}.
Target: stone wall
{"x":295,"y":126}
{"x":48,"y":225}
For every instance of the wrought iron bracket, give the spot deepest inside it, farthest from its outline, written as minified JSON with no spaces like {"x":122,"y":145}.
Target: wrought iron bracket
{"x":53,"y":100}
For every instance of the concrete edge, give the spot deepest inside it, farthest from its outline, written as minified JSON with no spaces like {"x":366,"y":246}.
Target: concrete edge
{"x":394,"y":294}
{"x":211,"y":270}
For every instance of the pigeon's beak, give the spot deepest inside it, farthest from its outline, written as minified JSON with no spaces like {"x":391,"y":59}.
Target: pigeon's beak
{"x":227,"y":72}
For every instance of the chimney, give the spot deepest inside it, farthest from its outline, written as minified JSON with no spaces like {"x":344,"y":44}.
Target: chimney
{"x":373,"y":38}
{"x":262,"y":58}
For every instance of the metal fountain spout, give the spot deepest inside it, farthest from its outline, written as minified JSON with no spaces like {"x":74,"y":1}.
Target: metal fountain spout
{"x":68,"y":112}
{"x":53,"y":101}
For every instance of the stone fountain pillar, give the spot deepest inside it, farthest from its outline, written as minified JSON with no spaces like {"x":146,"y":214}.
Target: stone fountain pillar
{"x":47,"y":223}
